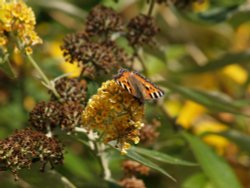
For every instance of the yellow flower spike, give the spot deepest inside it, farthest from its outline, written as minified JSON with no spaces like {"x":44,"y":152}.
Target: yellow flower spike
{"x":119,"y":123}
{"x":189,"y":113}
{"x":218,"y":142}
{"x":236,"y":72}
{"x":17,"y":18}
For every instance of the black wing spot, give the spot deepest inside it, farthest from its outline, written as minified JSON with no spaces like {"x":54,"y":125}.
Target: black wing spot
{"x":155,"y":95}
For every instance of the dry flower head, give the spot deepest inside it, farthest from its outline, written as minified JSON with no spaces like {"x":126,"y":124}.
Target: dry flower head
{"x":21,"y":149}
{"x":103,"y":21}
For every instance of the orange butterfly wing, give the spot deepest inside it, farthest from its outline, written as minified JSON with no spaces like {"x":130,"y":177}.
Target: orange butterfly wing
{"x":148,"y":89}
{"x":123,"y":78}
{"x":137,"y":85}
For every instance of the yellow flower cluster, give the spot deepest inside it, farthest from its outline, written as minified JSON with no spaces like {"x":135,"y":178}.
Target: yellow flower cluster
{"x":18,"y":20}
{"x":115,"y":114}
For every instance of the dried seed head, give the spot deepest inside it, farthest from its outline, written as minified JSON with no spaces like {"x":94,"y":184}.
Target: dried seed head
{"x":115,"y":114}
{"x":72,"y":45}
{"x":132,"y":183}
{"x":21,"y":149}
{"x":78,"y":48}
{"x":148,"y":134}
{"x":122,"y":58}
{"x":72,"y":116}
{"x":103,"y":20}
{"x":46,"y":115}
{"x":141,"y":30}
{"x":132,"y":168}
{"x":70,"y":89}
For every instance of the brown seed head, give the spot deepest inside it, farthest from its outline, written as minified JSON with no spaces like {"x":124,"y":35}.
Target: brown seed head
{"x":149,"y":133}
{"x":72,"y":116}
{"x":21,"y":149}
{"x":132,"y":183}
{"x":46,"y":115}
{"x":70,"y":89}
{"x":78,"y":48}
{"x":132,"y":168}
{"x":103,"y":21}
{"x":141,"y":30}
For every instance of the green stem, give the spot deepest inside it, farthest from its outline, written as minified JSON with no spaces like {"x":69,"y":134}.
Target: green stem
{"x":38,"y":69}
{"x":44,"y":77}
{"x":35,"y":65}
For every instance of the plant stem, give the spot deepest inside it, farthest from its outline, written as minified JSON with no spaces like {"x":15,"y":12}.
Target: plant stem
{"x":145,"y":70}
{"x":151,"y":7}
{"x":102,"y":156}
{"x":44,"y":77}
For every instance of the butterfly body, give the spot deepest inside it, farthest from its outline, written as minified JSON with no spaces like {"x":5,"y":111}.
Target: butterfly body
{"x":137,"y":85}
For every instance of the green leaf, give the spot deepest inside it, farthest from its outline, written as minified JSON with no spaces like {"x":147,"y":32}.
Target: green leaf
{"x":77,"y":166}
{"x":213,"y":65}
{"x":215,"y":167}
{"x":218,"y":14}
{"x":196,"y":181}
{"x":214,"y":103}
{"x":242,"y":140}
{"x":137,"y":157}
{"x":239,"y":17}
{"x":162,"y":157}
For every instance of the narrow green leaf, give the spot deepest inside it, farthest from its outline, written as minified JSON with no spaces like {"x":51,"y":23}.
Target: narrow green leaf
{"x":77,"y":166}
{"x":213,"y":65}
{"x":218,"y":14}
{"x":215,"y":167}
{"x":242,"y":140}
{"x":162,"y":157}
{"x":137,"y":157}
{"x":195,"y":181}
{"x":214,"y":103}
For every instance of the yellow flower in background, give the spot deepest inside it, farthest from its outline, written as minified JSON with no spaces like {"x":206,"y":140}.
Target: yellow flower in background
{"x":204,"y":81}
{"x":72,"y":69}
{"x":189,"y":113}
{"x":242,"y":37}
{"x":236,"y":72}
{"x":218,"y":142}
{"x":115,"y":114}
{"x":173,"y":107}
{"x":18,"y":20}
{"x":200,"y":6}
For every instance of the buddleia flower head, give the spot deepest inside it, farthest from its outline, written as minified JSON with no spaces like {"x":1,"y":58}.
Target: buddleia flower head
{"x":115,"y":114}
{"x":18,"y":20}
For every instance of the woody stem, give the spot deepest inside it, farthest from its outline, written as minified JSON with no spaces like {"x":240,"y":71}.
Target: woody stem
{"x":145,"y":70}
{"x":151,"y":7}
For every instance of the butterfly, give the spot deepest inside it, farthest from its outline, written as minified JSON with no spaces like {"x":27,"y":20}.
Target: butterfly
{"x":137,"y":85}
